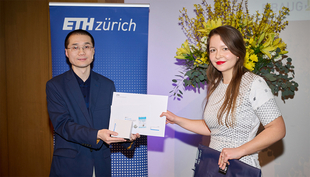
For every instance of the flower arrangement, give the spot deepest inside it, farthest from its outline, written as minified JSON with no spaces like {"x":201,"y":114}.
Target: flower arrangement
{"x":265,"y":50}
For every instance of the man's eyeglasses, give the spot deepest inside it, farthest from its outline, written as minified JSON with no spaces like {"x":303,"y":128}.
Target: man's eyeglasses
{"x":86,"y":48}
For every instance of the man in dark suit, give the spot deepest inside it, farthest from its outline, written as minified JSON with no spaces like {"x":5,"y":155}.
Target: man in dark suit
{"x":79,"y":103}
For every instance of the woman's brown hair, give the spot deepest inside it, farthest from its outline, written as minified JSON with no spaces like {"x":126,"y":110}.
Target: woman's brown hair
{"x":233,"y":39}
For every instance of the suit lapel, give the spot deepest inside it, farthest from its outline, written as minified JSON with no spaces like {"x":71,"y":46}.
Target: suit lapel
{"x":94,"y":91}
{"x":76,"y":93}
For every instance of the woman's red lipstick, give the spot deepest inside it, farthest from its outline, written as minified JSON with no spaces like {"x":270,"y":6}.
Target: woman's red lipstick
{"x":220,"y":62}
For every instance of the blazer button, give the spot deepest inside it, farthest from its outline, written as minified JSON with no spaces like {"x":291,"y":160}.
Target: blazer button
{"x":91,"y":150}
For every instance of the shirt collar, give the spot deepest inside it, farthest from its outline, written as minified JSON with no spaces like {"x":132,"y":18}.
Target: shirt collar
{"x":80,"y":81}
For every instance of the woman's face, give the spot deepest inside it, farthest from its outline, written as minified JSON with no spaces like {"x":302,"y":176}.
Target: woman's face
{"x":221,"y":57}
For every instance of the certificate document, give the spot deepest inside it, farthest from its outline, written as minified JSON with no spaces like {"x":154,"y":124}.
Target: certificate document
{"x":143,"y":110}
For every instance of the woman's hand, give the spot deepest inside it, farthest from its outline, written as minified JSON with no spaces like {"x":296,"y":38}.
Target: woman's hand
{"x":227,"y":154}
{"x":170,"y":117}
{"x":197,"y":126}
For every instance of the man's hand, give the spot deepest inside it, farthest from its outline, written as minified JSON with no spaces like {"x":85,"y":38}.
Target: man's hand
{"x":105,"y":135}
{"x":134,"y":136}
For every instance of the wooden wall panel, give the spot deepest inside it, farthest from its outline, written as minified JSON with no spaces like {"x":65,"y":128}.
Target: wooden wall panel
{"x":4,"y":168}
{"x":27,"y":70}
{"x":25,"y":131}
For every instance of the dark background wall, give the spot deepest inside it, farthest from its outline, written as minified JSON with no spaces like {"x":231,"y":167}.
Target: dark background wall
{"x":26,"y":144}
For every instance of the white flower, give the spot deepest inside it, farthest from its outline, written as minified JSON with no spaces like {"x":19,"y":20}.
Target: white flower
{"x":192,"y":47}
{"x":279,"y":57}
{"x":204,"y":39}
{"x":203,"y":47}
{"x":265,"y":57}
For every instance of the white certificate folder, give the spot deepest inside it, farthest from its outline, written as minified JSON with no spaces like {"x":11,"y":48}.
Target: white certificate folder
{"x":143,"y":110}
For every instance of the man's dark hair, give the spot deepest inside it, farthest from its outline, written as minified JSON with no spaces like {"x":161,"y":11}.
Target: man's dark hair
{"x":80,"y":32}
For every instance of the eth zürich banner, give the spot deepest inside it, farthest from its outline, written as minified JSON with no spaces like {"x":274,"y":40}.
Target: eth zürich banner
{"x":121,"y":42}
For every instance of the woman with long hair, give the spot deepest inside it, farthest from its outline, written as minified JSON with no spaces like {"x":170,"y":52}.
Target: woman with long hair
{"x":237,"y":102}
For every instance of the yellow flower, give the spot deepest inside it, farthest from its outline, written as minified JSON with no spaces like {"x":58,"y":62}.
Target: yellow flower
{"x":252,"y":42}
{"x":183,"y":51}
{"x":210,"y":25}
{"x":276,"y":41}
{"x":280,"y":45}
{"x":268,"y":45}
{"x":267,"y":51}
{"x":248,"y":61}
{"x":269,"y":40}
{"x":249,"y":65}
{"x":283,"y":52}
{"x":254,"y":58}
{"x":201,"y":60}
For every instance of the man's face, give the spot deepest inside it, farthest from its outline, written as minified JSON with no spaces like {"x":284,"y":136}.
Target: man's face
{"x":80,"y":51}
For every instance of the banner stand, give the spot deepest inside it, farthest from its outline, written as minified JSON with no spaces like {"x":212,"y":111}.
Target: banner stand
{"x":121,"y":42}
